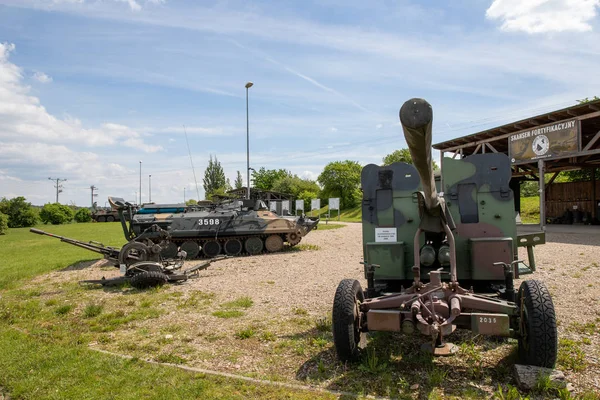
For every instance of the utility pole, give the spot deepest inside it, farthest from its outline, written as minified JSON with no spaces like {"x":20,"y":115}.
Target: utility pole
{"x":184,"y":195}
{"x":93,"y":188}
{"x":58,"y":185}
{"x":149,"y":188}
{"x":247,"y":86}
{"x":140,"y":183}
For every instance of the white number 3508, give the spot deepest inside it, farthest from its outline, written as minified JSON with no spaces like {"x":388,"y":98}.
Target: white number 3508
{"x":208,"y":221}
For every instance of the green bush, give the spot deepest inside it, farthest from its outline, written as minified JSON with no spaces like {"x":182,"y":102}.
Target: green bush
{"x":83,"y":215}
{"x":3,"y":224}
{"x":19,"y":211}
{"x":56,"y":214}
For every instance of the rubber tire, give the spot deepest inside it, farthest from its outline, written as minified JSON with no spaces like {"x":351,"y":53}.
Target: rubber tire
{"x":346,"y":335}
{"x":110,"y":218}
{"x":147,"y":279}
{"x":274,"y":243}
{"x":101,"y":219}
{"x":253,"y":245}
{"x":232,"y":247}
{"x":191,"y":248}
{"x":211,"y":249}
{"x":541,"y":347}
{"x":169,"y":251}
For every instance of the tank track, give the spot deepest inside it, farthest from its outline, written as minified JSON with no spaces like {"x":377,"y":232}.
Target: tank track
{"x":223,"y":239}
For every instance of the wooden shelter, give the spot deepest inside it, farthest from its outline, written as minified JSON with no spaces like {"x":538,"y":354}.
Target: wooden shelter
{"x":552,"y":142}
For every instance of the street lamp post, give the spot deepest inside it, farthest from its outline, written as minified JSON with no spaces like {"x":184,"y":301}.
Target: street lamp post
{"x":140,"y":203}
{"x":149,"y":188}
{"x":248,"y":86}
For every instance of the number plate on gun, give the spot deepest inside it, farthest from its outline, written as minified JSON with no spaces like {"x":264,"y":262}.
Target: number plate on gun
{"x":490,"y":324}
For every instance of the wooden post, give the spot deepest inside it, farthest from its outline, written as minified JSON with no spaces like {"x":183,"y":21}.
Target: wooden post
{"x":542,"y":195}
{"x":594,"y":202}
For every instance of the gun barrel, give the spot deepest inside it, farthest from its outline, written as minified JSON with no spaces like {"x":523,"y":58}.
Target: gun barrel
{"x":109,"y":253}
{"x":416,"y":117}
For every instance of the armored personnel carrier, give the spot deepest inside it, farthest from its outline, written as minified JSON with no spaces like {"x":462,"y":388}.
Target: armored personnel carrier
{"x":231,"y":228}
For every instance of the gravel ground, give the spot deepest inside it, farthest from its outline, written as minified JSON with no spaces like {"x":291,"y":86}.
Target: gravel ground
{"x":290,"y":290}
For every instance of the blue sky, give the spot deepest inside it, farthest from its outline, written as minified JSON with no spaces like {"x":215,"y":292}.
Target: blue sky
{"x":88,"y":88}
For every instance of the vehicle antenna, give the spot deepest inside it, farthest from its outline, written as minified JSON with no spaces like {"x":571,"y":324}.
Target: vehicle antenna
{"x":191,"y":162}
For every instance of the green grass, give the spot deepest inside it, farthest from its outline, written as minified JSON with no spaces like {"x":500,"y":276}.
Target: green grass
{"x":25,"y":254}
{"x":34,"y":369}
{"x":530,"y":210}
{"x":349,"y":215}
{"x":240,"y":302}
{"x":228,"y":313}
{"x":44,"y":341}
{"x":327,"y":227}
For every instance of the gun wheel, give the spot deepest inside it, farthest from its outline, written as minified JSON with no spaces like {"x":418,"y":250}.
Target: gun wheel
{"x":538,"y":342}
{"x":147,"y":279}
{"x":110,"y":218}
{"x":274,"y":243}
{"x":293,"y":238}
{"x":134,"y":252}
{"x":346,"y":319}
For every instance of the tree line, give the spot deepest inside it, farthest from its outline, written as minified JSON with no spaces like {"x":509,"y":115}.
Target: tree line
{"x":338,"y":179}
{"x":19,"y":213}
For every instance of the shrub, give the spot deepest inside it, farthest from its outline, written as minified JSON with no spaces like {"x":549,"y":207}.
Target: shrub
{"x":56,"y":214}
{"x":3,"y":224}
{"x":19,"y":211}
{"x":83,"y":215}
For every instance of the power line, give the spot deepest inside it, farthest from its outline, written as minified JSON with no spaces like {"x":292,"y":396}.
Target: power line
{"x":191,"y":162}
{"x":58,"y":185}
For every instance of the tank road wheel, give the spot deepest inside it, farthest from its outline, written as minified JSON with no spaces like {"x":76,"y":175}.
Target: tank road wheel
{"x":134,"y":252}
{"x":212,"y":248}
{"x":233,"y":247}
{"x":147,"y":279}
{"x":191,"y":248}
{"x":169,"y":251}
{"x":274,"y":243}
{"x":253,"y":245}
{"x":110,"y":218}
{"x":101,"y":219}
{"x":346,"y":327}
{"x":538,"y":341}
{"x":293,"y":238}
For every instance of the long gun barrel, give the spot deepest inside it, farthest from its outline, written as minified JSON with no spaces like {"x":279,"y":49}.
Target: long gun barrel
{"x":416,"y":117}
{"x":110,"y":253}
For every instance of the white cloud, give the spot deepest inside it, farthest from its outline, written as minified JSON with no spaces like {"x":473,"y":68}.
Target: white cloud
{"x":538,"y":16}
{"x":333,"y":129}
{"x":41,"y":77}
{"x":309,"y":175}
{"x":378,"y":126}
{"x":23,"y":118}
{"x":198,"y":130}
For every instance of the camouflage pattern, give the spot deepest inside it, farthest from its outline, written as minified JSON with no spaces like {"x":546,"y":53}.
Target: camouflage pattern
{"x":419,"y":242}
{"x":480,"y":204}
{"x":232,"y":228}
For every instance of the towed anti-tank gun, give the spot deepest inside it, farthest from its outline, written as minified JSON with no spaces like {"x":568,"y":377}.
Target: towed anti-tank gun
{"x":140,"y":261}
{"x":418,"y":244}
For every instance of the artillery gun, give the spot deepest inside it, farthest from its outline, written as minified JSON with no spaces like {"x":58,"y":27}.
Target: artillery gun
{"x":468,"y":234}
{"x":231,"y":228}
{"x":140,"y":262}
